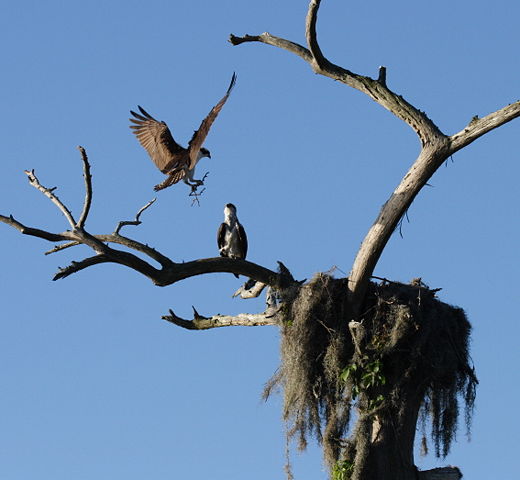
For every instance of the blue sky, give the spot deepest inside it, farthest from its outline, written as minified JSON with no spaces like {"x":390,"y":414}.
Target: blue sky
{"x":94,"y":383}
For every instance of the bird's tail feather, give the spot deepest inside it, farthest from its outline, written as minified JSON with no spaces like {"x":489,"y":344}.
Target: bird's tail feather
{"x":170,"y":180}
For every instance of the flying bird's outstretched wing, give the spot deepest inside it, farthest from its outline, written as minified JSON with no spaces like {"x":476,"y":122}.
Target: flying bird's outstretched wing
{"x":200,"y":135}
{"x":157,"y":140}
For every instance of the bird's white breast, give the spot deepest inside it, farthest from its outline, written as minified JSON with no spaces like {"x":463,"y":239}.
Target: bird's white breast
{"x":232,"y":240}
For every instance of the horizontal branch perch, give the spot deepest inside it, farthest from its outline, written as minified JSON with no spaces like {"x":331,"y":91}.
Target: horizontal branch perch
{"x":181,"y":271}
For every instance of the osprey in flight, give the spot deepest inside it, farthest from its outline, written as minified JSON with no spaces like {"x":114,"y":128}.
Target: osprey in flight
{"x":231,"y":236}
{"x":171,"y":159}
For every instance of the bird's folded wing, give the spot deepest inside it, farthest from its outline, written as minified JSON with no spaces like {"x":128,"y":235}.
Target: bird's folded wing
{"x":221,"y":235}
{"x":243,"y":240}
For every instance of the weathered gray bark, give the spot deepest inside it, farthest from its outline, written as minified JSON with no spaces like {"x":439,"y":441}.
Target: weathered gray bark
{"x":436,"y":146}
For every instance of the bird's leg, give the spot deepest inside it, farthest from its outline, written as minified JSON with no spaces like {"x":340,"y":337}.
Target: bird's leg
{"x":196,"y":183}
{"x":194,"y":187}
{"x":200,"y":182}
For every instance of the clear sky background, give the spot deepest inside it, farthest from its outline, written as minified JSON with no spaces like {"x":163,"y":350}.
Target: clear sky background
{"x":94,"y":384}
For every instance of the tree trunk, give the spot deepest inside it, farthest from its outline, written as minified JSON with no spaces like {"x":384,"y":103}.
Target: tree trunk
{"x":388,"y":453}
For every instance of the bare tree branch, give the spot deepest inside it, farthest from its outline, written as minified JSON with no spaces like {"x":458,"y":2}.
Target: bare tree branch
{"x":269,"y":39}
{"x":163,"y":260}
{"x":216,"y":321}
{"x":122,"y":240}
{"x":63,"y":246}
{"x":48,"y":192}
{"x":112,"y":256}
{"x":172,"y":272}
{"x":77,"y":266}
{"x":35,"y":232}
{"x":427,"y":163}
{"x":378,"y":91}
{"x":181,"y":271}
{"x":480,"y":126}
{"x":377,"y":237}
{"x":436,"y":146}
{"x":88,"y":188}
{"x":312,"y":39}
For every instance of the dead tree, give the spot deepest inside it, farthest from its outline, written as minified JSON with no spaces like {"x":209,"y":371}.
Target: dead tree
{"x":345,"y":343}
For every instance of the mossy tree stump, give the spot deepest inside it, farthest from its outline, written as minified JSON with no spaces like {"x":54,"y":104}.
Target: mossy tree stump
{"x":361,"y":390}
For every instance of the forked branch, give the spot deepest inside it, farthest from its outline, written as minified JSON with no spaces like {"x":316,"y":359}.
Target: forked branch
{"x":169,"y":272}
{"x":436,"y":146}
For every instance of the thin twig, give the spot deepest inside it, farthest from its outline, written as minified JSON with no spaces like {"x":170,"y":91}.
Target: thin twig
{"x":137,"y":217}
{"x":63,"y":246}
{"x":196,"y":196}
{"x":383,"y":279}
{"x":400,"y":224}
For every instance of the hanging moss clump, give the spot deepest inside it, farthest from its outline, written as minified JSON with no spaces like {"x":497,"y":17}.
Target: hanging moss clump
{"x":406,"y":356}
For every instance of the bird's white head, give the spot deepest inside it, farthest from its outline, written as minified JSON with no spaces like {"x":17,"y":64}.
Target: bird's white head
{"x":230,"y":211}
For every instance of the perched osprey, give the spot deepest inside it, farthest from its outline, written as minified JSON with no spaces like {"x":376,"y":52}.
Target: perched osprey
{"x":231,"y":236}
{"x":171,"y":159}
